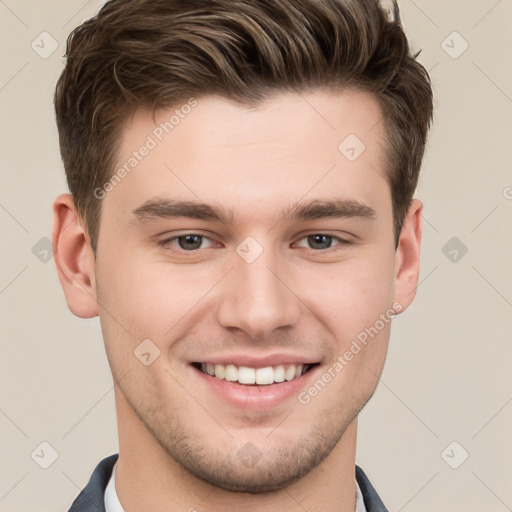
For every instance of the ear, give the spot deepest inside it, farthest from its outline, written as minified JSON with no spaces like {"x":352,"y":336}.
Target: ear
{"x":74,"y":258}
{"x":407,"y":257}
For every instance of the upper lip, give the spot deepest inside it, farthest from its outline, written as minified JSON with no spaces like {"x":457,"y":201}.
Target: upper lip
{"x":254,"y":361}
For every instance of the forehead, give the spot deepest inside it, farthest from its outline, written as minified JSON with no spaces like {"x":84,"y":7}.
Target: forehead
{"x":291,"y":147}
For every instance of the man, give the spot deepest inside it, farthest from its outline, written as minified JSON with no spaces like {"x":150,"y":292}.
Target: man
{"x":242,"y":220}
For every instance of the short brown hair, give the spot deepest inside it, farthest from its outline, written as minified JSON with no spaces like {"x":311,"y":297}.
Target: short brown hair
{"x":155,"y":54}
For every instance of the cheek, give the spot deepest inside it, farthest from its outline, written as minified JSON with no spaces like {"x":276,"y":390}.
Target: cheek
{"x":147,"y":298}
{"x":140,"y":303}
{"x":353,"y":301}
{"x":354,"y":304}
{"x":350,"y":295}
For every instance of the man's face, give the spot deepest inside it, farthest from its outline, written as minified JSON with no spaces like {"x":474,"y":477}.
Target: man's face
{"x":262,"y":286}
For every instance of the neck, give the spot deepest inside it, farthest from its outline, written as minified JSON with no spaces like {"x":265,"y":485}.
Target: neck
{"x":147,"y":478}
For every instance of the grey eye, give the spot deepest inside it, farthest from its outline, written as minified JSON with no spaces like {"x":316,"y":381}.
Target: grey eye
{"x":190,"y":242}
{"x":320,"y":241}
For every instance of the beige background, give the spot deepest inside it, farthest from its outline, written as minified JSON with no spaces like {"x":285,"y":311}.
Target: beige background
{"x":449,"y":370}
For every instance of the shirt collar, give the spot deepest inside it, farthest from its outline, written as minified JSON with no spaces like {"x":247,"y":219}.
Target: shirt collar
{"x":112,"y":503}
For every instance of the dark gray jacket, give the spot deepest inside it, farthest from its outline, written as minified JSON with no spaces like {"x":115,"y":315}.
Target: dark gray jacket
{"x":92,"y":498}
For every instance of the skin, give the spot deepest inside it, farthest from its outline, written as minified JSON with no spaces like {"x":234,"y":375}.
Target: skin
{"x":178,"y":439}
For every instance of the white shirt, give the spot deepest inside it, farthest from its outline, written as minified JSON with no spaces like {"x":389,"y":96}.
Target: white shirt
{"x":112,"y":503}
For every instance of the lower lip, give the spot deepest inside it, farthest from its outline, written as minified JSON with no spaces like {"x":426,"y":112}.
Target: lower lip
{"x":256,"y":397}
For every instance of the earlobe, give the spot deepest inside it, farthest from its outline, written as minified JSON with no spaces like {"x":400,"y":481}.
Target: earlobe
{"x":74,"y":258}
{"x":407,"y":257}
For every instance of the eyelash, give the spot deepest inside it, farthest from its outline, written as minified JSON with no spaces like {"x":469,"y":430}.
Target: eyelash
{"x":166,"y":241}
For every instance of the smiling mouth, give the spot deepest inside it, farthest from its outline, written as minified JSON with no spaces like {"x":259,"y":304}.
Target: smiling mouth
{"x":255,"y":376}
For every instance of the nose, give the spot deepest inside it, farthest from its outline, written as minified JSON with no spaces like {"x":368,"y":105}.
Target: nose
{"x":257,"y":297}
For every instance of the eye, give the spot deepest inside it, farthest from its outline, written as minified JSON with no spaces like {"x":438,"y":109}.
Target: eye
{"x":188,"y":242}
{"x":321,"y":241}
{"x":192,"y":242}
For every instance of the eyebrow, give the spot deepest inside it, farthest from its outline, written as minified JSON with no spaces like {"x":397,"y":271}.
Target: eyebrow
{"x":163,"y":208}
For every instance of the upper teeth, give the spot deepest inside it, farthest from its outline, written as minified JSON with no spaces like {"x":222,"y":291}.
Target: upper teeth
{"x":246,"y":375}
